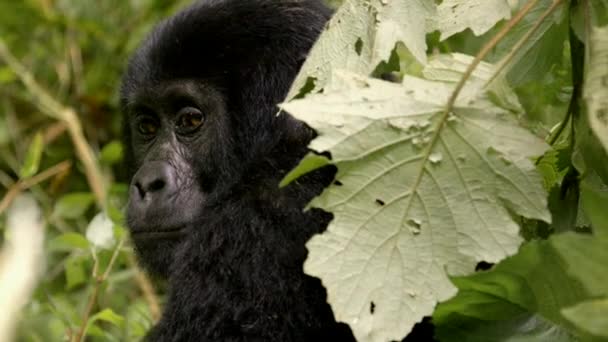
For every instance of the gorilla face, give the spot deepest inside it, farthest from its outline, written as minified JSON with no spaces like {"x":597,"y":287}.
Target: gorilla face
{"x":200,"y":126}
{"x":179,"y":131}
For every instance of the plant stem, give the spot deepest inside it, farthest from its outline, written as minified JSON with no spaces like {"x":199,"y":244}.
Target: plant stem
{"x":29,"y":182}
{"x":99,"y":280}
{"x":502,"y":64}
{"x":51,"y":107}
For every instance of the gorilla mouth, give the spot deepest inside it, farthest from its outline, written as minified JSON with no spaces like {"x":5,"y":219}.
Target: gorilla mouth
{"x":165,"y":233}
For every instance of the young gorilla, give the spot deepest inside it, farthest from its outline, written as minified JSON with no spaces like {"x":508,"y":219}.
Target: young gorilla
{"x":206,"y":151}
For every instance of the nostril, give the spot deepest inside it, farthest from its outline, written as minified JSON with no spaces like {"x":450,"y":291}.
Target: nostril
{"x":140,"y":190}
{"x":156,"y":185}
{"x":153,"y":181}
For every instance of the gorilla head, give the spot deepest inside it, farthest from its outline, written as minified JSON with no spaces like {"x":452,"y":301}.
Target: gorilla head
{"x":199,"y":98}
{"x":206,"y":150}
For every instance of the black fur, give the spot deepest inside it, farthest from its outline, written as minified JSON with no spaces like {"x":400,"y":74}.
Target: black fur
{"x":237,"y":274}
{"x":229,"y":241}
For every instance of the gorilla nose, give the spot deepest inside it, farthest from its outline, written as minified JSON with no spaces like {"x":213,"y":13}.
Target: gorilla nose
{"x":154,"y":181}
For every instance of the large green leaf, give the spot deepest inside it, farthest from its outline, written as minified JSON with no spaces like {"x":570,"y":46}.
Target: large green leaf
{"x":534,"y":59}
{"x":420,"y":195}
{"x":587,"y":257}
{"x":520,"y":299}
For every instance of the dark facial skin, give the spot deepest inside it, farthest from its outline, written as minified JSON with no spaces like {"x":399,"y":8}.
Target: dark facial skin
{"x":172,"y":127}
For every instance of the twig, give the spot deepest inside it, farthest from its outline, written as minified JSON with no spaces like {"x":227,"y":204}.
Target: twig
{"x":29,"y":182}
{"x":54,"y":109}
{"x":99,"y":280}
{"x":483,"y":53}
{"x":524,"y":39}
{"x":49,"y":106}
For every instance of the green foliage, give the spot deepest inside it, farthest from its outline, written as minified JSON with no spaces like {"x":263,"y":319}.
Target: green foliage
{"x":76,"y":51}
{"x":512,"y":171}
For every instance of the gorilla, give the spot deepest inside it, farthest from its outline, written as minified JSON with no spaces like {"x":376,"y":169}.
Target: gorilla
{"x":205,"y":152}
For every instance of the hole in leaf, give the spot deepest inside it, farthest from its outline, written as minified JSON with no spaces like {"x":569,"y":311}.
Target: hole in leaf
{"x":359,"y":46}
{"x":483,"y":266}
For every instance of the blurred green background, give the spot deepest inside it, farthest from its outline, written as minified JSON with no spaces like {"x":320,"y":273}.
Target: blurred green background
{"x":74,"y":51}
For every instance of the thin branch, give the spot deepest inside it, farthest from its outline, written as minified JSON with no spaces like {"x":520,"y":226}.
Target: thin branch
{"x":27,"y":183}
{"x":49,"y":106}
{"x":506,"y":60}
{"x":465,"y":77}
{"x":484,"y":52}
{"x":54,"y":109}
{"x":99,"y":280}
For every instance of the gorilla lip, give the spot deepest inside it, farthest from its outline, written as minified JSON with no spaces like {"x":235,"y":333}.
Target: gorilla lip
{"x":168,"y":233}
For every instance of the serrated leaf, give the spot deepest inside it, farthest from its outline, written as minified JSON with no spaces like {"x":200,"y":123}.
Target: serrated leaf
{"x":73,"y":205}
{"x":596,"y":84}
{"x":100,"y":231}
{"x":454,"y":16}
{"x":361,"y":34}
{"x":422,"y":195}
{"x":32,"y":157}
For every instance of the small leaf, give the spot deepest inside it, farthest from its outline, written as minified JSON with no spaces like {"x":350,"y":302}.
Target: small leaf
{"x":109,"y":316}
{"x":119,"y":231}
{"x":311,"y":163}
{"x":74,"y":272}
{"x":68,"y":241}
{"x":73,"y":205}
{"x":32,"y":158}
{"x":6,"y":75}
{"x":112,"y":153}
{"x":100,"y":231}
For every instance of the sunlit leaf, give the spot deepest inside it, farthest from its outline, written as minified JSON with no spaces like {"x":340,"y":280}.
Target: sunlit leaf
{"x":420,"y":197}
{"x":454,"y":16}
{"x":361,"y":34}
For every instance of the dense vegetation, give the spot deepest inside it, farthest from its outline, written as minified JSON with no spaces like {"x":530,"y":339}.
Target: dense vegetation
{"x":472,"y":186}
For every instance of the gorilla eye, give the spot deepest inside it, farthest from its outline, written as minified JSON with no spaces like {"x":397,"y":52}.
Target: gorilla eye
{"x":189,"y":120}
{"x":147,"y":126}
